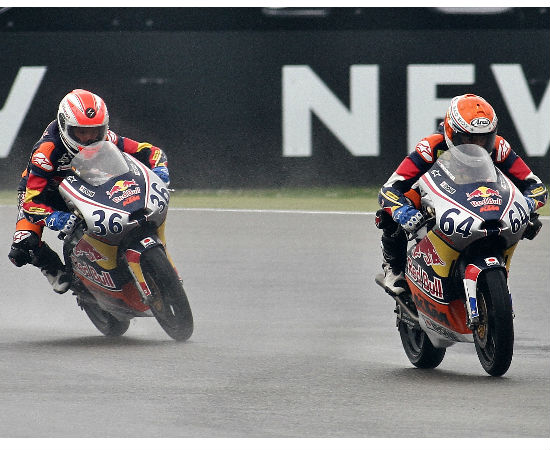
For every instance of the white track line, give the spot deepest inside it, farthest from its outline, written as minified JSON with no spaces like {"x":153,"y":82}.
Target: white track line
{"x":274,"y":211}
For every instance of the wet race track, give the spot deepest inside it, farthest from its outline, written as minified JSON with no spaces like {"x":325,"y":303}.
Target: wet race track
{"x":292,"y":339}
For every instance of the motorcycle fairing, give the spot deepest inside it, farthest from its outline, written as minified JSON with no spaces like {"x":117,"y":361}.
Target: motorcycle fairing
{"x":476,"y":210}
{"x":443,"y":323}
{"x":430,"y":264}
{"x":105,"y":217}
{"x":94,"y":263}
{"x":99,"y":195}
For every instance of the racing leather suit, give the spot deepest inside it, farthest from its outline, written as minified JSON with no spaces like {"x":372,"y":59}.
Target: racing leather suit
{"x":38,"y":195}
{"x":397,"y":191}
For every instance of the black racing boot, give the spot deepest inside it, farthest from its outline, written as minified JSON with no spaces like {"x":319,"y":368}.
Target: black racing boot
{"x":52,"y":268}
{"x":394,"y":252}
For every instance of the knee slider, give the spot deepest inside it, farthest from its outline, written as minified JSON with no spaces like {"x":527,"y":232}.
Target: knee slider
{"x":23,"y":248}
{"x":384,"y":221}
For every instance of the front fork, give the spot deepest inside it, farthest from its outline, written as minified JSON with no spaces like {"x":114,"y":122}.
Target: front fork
{"x":132,"y":255}
{"x":471,"y":276}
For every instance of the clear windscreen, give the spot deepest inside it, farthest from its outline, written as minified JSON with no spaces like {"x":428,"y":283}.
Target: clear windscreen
{"x":98,"y":163}
{"x":468,"y":163}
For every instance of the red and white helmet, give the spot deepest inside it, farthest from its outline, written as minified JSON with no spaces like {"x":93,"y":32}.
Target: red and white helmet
{"x":470,"y":119}
{"x":83,"y":119}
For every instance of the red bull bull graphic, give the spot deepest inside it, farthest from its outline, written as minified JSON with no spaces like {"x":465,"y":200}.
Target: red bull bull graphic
{"x":426,"y":249}
{"x":99,"y":277}
{"x":124,"y":187}
{"x":486,"y":196}
{"x":422,"y":279}
{"x":84,"y":248}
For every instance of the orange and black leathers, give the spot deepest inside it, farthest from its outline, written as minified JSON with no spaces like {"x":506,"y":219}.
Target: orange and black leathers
{"x":38,"y":194}
{"x":397,"y":191}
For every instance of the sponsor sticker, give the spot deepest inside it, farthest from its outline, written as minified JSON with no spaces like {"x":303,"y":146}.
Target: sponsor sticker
{"x":84,"y":248}
{"x":122,"y":186}
{"x":492,"y":261}
{"x":20,"y":235}
{"x":425,"y":151}
{"x":42,"y":161}
{"x":147,"y":242}
{"x":484,"y":195}
{"x":86,"y":191}
{"x":426,"y":249}
{"x":439,"y":329}
{"x":451,"y":190}
{"x":503,"y":150}
{"x":480,"y":122}
{"x":422,"y":279}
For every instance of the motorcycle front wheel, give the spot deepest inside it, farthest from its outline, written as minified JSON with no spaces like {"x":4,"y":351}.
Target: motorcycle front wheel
{"x":169,"y":302}
{"x":104,"y":321}
{"x":494,"y":336}
{"x":418,"y":347}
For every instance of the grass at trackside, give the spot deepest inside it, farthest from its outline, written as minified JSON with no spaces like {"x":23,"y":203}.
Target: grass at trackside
{"x":309,"y":199}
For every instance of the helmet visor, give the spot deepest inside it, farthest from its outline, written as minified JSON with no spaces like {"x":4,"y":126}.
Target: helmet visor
{"x":87,"y":135}
{"x":485,"y":140}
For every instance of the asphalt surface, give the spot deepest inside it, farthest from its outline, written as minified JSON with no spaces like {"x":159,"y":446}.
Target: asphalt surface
{"x":292,"y":339}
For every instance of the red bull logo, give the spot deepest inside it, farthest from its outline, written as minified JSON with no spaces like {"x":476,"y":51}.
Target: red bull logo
{"x":426,"y":249}
{"x":484,"y":192}
{"x":421,"y":278}
{"x":84,"y":248}
{"x":487,"y":196}
{"x":121,"y":186}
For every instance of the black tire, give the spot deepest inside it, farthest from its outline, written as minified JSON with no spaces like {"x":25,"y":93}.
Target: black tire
{"x":418,"y":347}
{"x":494,"y":336}
{"x":104,"y":321}
{"x":169,"y":305}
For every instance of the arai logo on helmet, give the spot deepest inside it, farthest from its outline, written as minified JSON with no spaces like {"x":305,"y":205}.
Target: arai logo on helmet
{"x":480,"y":122}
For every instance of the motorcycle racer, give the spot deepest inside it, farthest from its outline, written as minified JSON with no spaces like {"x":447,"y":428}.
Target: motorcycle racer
{"x":470,"y":119}
{"x":82,"y":119}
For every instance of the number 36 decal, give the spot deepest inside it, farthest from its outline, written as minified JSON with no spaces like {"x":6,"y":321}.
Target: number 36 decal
{"x":113,"y":224}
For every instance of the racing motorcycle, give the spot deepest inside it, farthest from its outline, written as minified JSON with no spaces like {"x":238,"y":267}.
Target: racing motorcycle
{"x":116,"y":254}
{"x":458,"y":261}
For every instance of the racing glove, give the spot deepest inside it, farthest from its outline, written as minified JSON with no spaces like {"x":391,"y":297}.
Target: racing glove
{"x":162,"y":173}
{"x":408,"y":217}
{"x":61,"y":221}
{"x":530,"y":203}
{"x":533,"y":227}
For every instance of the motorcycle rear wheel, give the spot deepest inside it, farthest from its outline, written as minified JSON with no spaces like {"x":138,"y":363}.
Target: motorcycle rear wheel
{"x":494,"y":336}
{"x":418,"y":347}
{"x":170,"y":305}
{"x":104,"y":321}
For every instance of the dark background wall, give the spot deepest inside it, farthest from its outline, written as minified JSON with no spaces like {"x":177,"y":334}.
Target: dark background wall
{"x":205,"y":83}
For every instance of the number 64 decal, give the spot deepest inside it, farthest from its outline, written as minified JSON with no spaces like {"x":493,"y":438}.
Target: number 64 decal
{"x":112,"y":226}
{"x":517,"y":222}
{"x":161,"y":200}
{"x":447,"y":223}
